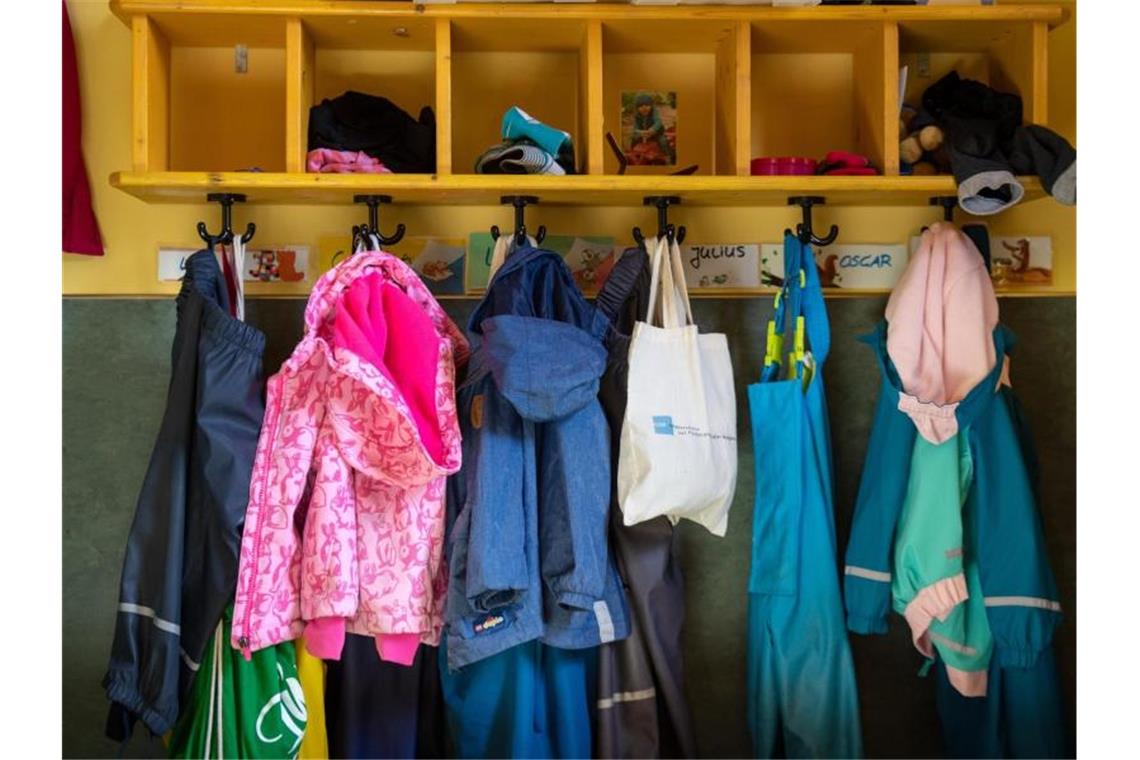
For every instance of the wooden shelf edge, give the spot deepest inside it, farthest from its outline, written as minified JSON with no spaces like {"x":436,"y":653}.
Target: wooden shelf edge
{"x":1053,"y":14}
{"x":578,"y":190}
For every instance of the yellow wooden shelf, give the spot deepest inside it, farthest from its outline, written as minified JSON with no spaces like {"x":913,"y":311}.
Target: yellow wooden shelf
{"x":738,"y":70}
{"x":333,"y":9}
{"x":576,"y":190}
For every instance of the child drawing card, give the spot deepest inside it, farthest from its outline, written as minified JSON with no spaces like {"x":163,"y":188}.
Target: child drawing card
{"x":438,"y":261}
{"x":286,"y":263}
{"x":649,"y":127}
{"x":590,"y":259}
{"x":172,"y":262}
{"x":721,"y":265}
{"x":859,"y":266}
{"x":480,"y":246}
{"x":279,"y":264}
{"x":331,"y":251}
{"x":1016,"y":260}
{"x":1021,"y":260}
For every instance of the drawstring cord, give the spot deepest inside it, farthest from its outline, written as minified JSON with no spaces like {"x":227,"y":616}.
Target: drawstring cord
{"x":215,"y":705}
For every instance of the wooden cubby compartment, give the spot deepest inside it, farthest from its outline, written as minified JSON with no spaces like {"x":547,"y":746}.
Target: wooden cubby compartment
{"x":818,"y":86}
{"x":197,"y":112}
{"x":497,"y":63}
{"x":705,"y":62}
{"x":1010,"y":56}
{"x":391,"y":57}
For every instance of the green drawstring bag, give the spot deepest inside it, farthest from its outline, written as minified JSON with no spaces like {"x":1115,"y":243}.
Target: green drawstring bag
{"x":240,"y":709}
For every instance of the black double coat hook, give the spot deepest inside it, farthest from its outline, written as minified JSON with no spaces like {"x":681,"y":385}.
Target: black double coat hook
{"x":804,"y":230}
{"x":664,"y":228}
{"x":372,"y":228}
{"x":520,"y":203}
{"x":227,"y":201}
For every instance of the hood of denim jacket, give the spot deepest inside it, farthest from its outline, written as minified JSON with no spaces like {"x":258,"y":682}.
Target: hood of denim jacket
{"x":546,"y":369}
{"x":535,"y":282}
{"x":538,"y":336}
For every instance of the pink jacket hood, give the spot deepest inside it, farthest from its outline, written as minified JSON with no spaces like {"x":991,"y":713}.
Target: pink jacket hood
{"x":344,"y":528}
{"x":940,"y":321}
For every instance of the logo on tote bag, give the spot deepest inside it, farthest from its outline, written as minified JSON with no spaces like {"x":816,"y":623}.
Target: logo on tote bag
{"x":663,"y":425}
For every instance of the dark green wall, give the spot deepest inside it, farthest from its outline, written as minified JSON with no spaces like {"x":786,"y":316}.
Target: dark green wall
{"x":116,"y":367}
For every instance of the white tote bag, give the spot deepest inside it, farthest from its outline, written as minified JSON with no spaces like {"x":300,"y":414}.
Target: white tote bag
{"x":678,"y":440}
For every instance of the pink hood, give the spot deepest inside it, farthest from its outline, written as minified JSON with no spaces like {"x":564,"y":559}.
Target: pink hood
{"x":940,"y":322}
{"x":344,"y":529}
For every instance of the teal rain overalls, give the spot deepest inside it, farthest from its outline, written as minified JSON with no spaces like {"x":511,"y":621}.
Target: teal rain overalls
{"x":802,"y":700}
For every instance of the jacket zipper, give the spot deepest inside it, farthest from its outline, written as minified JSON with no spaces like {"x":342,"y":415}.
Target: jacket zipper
{"x":243,"y":640}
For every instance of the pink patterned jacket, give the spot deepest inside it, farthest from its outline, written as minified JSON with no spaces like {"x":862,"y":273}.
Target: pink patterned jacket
{"x":344,"y":529}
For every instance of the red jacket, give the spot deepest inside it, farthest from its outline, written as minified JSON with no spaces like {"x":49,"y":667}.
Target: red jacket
{"x":80,"y":228}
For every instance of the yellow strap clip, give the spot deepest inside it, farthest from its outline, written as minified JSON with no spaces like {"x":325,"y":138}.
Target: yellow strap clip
{"x":796,"y":355}
{"x":799,"y":346}
{"x":774,"y":345}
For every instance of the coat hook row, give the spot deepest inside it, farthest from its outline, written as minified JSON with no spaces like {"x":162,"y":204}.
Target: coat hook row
{"x":371,"y":230}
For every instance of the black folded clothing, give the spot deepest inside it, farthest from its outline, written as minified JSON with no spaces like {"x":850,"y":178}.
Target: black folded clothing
{"x":989,"y":146}
{"x":358,"y":121}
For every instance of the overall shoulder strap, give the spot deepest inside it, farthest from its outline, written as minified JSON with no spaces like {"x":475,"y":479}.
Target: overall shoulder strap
{"x":621,"y":281}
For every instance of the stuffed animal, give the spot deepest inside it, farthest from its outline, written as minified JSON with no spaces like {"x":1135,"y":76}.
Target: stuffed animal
{"x":921,"y":144}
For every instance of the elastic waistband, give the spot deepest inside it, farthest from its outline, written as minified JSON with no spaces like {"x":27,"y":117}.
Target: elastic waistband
{"x":204,"y":276}
{"x":221,"y":325}
{"x":205,"y":283}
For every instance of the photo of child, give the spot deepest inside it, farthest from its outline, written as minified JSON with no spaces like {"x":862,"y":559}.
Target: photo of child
{"x":649,"y":128}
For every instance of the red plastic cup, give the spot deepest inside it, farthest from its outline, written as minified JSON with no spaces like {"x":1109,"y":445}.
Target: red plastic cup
{"x":784,"y":165}
{"x":765,"y":165}
{"x":796,"y":165}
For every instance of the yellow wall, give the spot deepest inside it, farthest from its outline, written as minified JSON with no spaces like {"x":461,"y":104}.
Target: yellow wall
{"x":132,"y":230}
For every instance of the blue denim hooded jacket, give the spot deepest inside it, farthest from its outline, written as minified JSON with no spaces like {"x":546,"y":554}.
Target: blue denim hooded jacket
{"x":527,"y":550}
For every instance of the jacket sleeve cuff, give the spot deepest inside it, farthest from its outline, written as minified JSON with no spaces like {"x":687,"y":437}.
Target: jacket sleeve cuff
{"x":399,"y":648}
{"x":324,"y":637}
{"x":866,"y":624}
{"x":867,"y":597}
{"x":575,"y":600}
{"x":489,"y":601}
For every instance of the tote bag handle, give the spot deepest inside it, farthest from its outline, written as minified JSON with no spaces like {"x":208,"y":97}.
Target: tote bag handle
{"x":673,"y":309}
{"x":679,"y":287}
{"x":653,"y":246}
